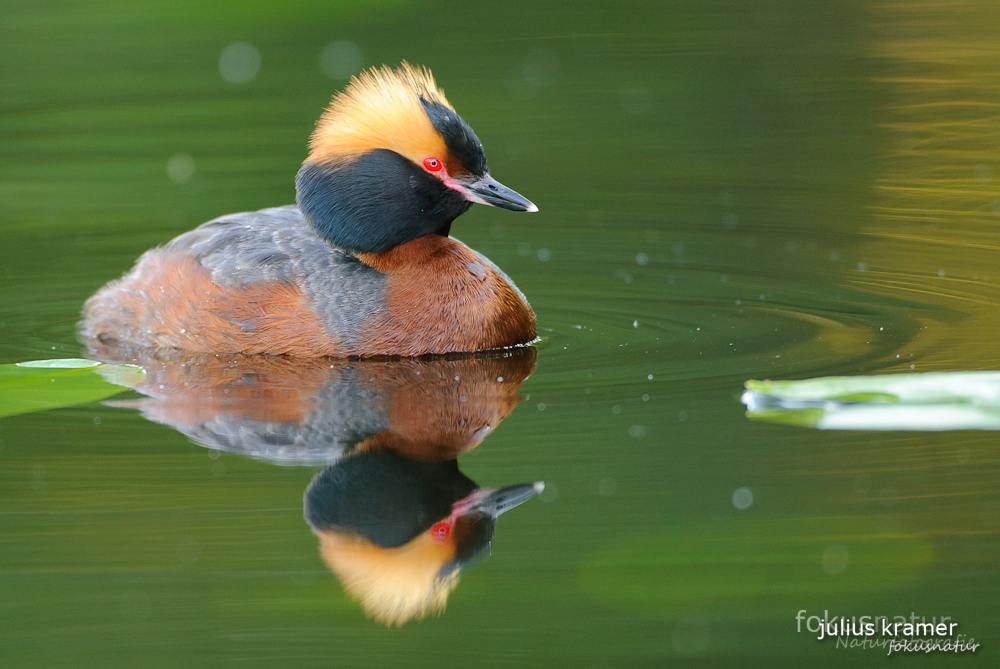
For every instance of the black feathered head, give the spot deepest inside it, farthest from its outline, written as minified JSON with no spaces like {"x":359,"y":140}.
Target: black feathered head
{"x":390,"y":160}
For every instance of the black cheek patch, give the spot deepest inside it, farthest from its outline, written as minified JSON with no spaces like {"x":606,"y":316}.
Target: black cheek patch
{"x":384,"y":497}
{"x":376,"y":202}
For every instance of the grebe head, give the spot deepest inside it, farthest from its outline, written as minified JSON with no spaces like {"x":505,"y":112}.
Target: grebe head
{"x":391,"y":161}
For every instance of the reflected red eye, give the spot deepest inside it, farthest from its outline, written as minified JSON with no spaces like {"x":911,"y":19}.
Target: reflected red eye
{"x":440,"y":531}
{"x":432,"y":164}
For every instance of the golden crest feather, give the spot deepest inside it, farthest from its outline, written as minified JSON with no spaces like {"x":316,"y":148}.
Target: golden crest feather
{"x":381,"y":109}
{"x":393,"y":585}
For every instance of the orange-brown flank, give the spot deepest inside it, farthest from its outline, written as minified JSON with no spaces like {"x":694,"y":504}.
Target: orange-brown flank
{"x":441,"y":297}
{"x":170,"y":301}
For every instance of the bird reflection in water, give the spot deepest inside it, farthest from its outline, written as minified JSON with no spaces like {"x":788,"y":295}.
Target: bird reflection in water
{"x":397,"y":531}
{"x":395,"y":517}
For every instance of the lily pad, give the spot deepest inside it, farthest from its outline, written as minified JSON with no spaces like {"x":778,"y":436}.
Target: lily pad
{"x":38,"y":385}
{"x":60,"y":363}
{"x":933,"y":401}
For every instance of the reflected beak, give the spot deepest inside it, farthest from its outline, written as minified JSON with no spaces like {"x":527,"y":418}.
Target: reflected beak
{"x":495,"y":501}
{"x":489,"y":191}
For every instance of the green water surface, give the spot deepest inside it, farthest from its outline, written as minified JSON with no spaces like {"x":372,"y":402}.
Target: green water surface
{"x":728,"y":191}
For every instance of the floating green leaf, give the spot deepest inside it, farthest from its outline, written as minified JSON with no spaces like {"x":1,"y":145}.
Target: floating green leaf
{"x":933,"y":401}
{"x":38,"y":385}
{"x":60,"y":363}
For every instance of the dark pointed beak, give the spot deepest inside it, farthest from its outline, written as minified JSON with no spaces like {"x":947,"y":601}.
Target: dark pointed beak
{"x":487,"y":190}
{"x":495,"y":501}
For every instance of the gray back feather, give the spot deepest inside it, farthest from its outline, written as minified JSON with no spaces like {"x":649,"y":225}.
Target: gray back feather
{"x":279,"y":245}
{"x":346,"y":412}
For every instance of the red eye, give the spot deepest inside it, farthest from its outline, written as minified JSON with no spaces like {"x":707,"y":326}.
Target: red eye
{"x":432,"y":164}
{"x":440,"y":531}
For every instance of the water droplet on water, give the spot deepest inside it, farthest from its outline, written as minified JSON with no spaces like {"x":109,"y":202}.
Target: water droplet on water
{"x":180,"y":167}
{"x":835,"y":559}
{"x":341,"y":59}
{"x":742,"y":498}
{"x":239,"y":62}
